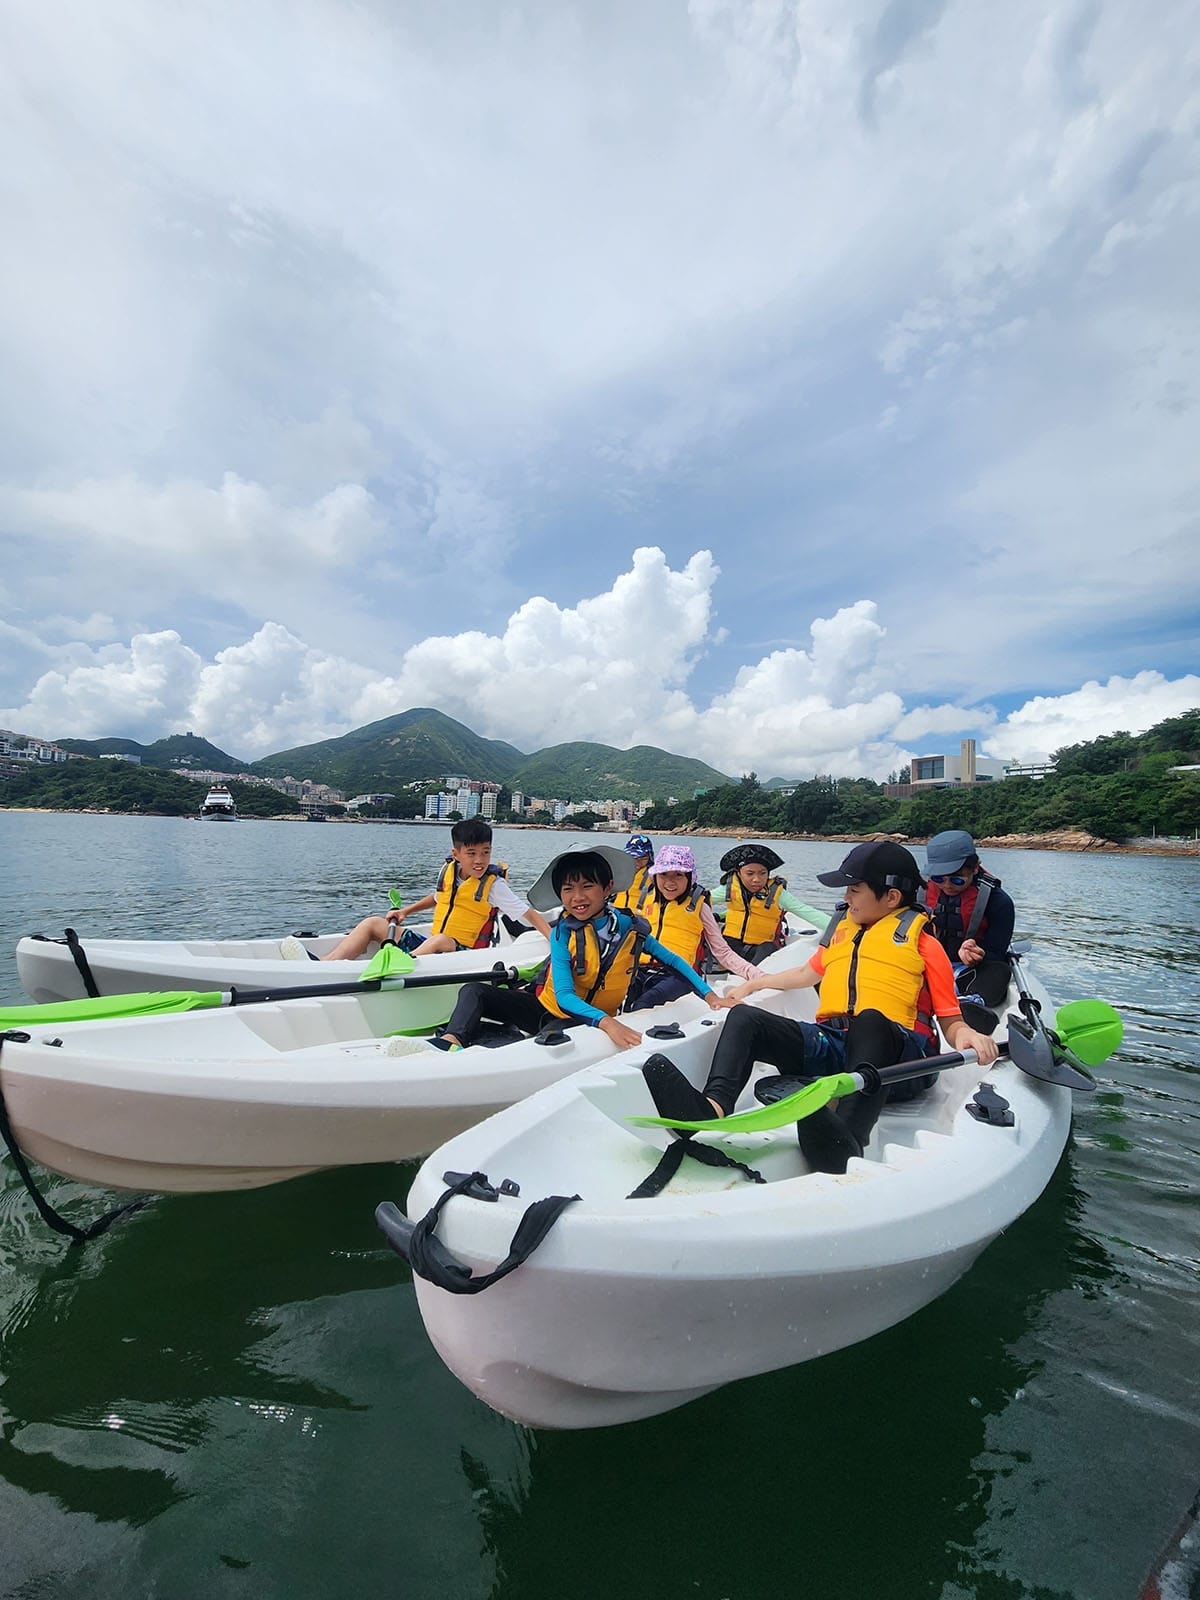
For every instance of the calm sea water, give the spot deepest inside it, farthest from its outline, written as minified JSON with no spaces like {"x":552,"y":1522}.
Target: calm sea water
{"x":234,"y":1396}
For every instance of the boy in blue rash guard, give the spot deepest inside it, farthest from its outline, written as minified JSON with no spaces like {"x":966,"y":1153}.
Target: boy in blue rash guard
{"x":593,"y":956}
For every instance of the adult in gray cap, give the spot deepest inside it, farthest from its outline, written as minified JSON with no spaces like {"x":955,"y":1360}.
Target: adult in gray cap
{"x":972,"y":918}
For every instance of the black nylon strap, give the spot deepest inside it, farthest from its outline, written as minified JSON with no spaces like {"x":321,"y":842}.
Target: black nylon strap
{"x":81,"y":962}
{"x":51,"y":1217}
{"x":655,"y":1182}
{"x":429,"y":1258}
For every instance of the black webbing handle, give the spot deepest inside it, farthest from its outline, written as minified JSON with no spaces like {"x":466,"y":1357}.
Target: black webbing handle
{"x":428,"y":1257}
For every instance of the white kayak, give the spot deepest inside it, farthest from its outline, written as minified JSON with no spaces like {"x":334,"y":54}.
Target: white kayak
{"x":244,"y":1095}
{"x":49,"y":972}
{"x":628,"y":1308}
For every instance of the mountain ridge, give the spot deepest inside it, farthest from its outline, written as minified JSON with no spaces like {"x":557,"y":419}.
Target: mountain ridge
{"x":423,"y":743}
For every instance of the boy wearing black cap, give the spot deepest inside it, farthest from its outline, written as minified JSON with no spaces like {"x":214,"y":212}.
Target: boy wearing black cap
{"x":883,"y":978}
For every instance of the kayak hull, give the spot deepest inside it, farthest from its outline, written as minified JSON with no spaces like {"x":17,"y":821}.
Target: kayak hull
{"x":49,"y":974}
{"x":681,"y":1332}
{"x":631,"y":1307}
{"x":237,"y":1097}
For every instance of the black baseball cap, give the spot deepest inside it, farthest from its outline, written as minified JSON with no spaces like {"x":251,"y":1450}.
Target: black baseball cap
{"x":892,"y":863}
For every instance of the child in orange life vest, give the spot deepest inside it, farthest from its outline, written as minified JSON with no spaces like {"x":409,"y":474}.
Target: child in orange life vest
{"x":882,"y":969}
{"x":470,"y":893}
{"x":593,"y":956}
{"x":752,"y":902}
{"x":680,"y":917}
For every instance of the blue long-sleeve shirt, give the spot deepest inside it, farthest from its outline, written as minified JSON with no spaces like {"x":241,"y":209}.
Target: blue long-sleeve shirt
{"x":562,"y":972}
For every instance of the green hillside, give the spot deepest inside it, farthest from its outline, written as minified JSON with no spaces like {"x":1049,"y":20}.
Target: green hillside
{"x":416,"y":744}
{"x":584,"y":771}
{"x":122,"y":787}
{"x":426,"y":744}
{"x":178,"y":750}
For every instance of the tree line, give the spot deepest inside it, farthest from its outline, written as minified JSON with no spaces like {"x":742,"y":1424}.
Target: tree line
{"x":1117,"y":787}
{"x":123,"y":787}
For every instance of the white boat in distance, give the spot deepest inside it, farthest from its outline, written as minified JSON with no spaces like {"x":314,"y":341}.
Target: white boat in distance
{"x":218,"y":805}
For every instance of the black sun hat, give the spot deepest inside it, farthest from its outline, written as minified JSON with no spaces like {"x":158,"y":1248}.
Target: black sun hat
{"x":896,"y":866}
{"x":743,"y":854}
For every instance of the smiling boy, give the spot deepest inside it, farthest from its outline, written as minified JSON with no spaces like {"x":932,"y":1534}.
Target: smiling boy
{"x":594,"y":951}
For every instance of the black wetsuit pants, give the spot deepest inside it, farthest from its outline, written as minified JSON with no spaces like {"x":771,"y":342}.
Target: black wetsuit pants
{"x":803,"y":1050}
{"x":989,"y":979}
{"x":519,"y":1008}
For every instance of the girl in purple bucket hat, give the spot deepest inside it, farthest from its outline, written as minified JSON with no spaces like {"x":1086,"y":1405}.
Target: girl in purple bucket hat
{"x":679,"y":912}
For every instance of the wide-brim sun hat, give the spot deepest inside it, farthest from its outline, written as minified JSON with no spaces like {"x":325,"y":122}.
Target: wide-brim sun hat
{"x":673,"y":858}
{"x":742,"y":855}
{"x":946,"y":852}
{"x":544,"y":897}
{"x":884,"y":861}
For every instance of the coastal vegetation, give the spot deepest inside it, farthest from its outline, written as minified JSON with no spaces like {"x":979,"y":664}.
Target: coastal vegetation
{"x":1117,"y":787}
{"x":120,"y":786}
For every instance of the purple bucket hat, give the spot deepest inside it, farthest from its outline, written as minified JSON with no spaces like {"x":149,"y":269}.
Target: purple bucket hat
{"x":674,"y":858}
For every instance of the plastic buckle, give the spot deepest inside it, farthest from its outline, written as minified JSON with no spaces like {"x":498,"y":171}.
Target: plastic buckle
{"x":551,"y":1036}
{"x":510,"y":1188}
{"x":665,"y":1030}
{"x":478,"y":1189}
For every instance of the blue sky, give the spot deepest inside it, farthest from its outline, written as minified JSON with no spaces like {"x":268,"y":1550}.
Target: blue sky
{"x":797,"y":386}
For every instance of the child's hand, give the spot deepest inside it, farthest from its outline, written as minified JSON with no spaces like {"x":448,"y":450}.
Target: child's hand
{"x":717,"y":1002}
{"x":984,"y":1048}
{"x":971,"y":952}
{"x":623,"y":1037}
{"x":732,"y":996}
{"x":396,"y":916}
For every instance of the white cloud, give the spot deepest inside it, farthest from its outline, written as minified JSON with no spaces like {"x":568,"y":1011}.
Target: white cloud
{"x":924,"y":722}
{"x":342,"y":331}
{"x":614,"y":668}
{"x":1131,"y":705}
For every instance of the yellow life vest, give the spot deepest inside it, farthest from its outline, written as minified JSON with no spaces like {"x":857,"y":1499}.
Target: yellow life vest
{"x":628,"y":899}
{"x":877,"y":968}
{"x":754,"y":918}
{"x":603,"y":986}
{"x":462,"y":908}
{"x":677,"y":924}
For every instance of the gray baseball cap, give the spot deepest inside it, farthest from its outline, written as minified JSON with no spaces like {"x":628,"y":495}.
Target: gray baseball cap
{"x":947,"y":851}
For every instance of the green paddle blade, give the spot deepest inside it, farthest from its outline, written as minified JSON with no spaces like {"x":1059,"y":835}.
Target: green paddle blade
{"x":387,"y":961}
{"x":108,"y":1005}
{"x":1090,"y":1029}
{"x":396,"y":898}
{"x":763,"y":1118}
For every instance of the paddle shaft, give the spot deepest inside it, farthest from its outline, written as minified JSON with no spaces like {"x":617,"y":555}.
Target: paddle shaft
{"x":873,"y":1078}
{"x":311,"y":991}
